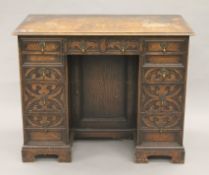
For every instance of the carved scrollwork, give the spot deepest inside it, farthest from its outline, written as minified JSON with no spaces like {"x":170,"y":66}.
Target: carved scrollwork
{"x":162,"y":98}
{"x":123,"y":45}
{"x":45,"y":120}
{"x":83,"y":46}
{"x":103,"y":45}
{"x":44,"y":97}
{"x":158,"y":75}
{"x":161,"y":120}
{"x":43,"y":74}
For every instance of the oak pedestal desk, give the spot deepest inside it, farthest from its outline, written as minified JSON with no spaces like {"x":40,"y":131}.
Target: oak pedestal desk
{"x":103,"y":77}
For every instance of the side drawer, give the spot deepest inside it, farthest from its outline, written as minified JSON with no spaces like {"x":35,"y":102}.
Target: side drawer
{"x":43,"y":73}
{"x":43,"y":136}
{"x":162,"y":98}
{"x":44,"y":120}
{"x":41,"y":45}
{"x":151,"y":136}
{"x":171,"y":75}
{"x":165,"y":45}
{"x":161,"y":121}
{"x":34,"y":59}
{"x":44,"y":97}
{"x":164,"y":60}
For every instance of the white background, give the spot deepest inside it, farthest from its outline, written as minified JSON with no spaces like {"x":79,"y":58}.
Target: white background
{"x":105,"y":157}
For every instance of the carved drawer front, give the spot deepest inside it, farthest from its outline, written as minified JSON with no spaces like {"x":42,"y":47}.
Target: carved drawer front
{"x":163,"y":75}
{"x":34,"y":59}
{"x":44,"y":97}
{"x":161,"y":121}
{"x":40,"y":135}
{"x":41,"y":45}
{"x":165,"y":45}
{"x":155,"y":136}
{"x":44,"y":120}
{"x":44,"y":74}
{"x":124,"y":46}
{"x":103,"y":46}
{"x":162,"y":98}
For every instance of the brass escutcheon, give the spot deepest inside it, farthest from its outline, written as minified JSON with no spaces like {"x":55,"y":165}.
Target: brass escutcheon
{"x":163,"y":46}
{"x":164,"y":72}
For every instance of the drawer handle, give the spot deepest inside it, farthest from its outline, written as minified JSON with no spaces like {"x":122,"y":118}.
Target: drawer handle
{"x":122,"y":49}
{"x":164,"y":72}
{"x":43,"y":75}
{"x":162,"y":100}
{"x":83,"y":50}
{"x":44,"y":100}
{"x":163,"y":47}
{"x":43,"y":46}
{"x":83,"y":46}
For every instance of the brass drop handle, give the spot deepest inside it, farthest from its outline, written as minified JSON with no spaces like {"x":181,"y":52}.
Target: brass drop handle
{"x":43,"y":75}
{"x":83,"y":46}
{"x":122,"y":49}
{"x":162,"y":101}
{"x":123,"y":46}
{"x":164,"y":72}
{"x":43,"y":46}
{"x":163,"y":47}
{"x":83,"y":50}
{"x":44,"y":100}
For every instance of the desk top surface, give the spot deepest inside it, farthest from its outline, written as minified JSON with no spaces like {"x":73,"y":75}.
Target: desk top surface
{"x":68,"y":25}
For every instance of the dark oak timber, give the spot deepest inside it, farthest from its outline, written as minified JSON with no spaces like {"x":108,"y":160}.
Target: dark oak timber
{"x":78,"y":83}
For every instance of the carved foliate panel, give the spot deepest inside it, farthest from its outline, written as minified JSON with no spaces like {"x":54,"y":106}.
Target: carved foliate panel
{"x":44,"y":74}
{"x":83,"y":45}
{"x":93,"y":45}
{"x":44,"y":120}
{"x":161,"y":121}
{"x":44,"y":97}
{"x":123,"y":46}
{"x":163,"y":75}
{"x":162,"y":98}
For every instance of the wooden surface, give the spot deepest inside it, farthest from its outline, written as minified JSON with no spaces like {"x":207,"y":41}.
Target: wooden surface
{"x":103,"y":25}
{"x":103,"y":87}
{"x":79,"y":86}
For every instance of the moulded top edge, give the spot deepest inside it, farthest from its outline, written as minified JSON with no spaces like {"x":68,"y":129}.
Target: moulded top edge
{"x":138,"y":25}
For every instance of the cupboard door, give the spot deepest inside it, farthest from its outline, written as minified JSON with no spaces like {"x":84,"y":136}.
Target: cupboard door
{"x":103,"y":91}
